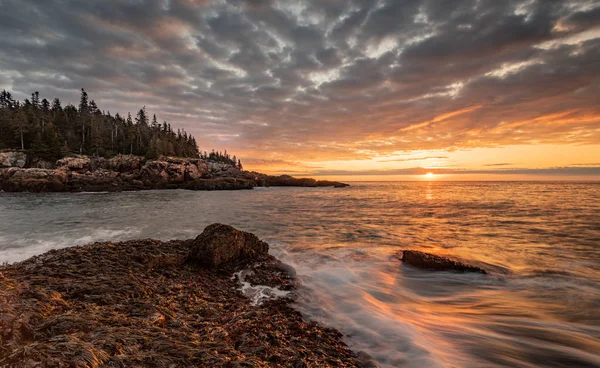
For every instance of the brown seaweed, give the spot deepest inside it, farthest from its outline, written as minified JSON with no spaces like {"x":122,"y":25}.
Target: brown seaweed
{"x":137,"y":303}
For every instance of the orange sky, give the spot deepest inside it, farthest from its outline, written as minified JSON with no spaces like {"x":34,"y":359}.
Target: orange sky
{"x":380,"y":90}
{"x":513,"y":162}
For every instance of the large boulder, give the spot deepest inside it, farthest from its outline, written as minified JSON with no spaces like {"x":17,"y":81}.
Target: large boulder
{"x":433,"y":262}
{"x":223,"y":245}
{"x":13,"y":159}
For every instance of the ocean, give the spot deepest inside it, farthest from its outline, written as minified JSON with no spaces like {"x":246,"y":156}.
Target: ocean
{"x":539,"y":306}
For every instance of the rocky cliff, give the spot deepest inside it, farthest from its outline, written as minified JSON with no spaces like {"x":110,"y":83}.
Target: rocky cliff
{"x":124,"y":172}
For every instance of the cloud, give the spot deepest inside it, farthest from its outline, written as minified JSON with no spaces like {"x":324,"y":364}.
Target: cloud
{"x":500,"y":164}
{"x":413,"y":159}
{"x":553,"y":171}
{"x":321,"y":80}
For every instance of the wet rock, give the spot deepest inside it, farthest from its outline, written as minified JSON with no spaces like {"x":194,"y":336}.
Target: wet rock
{"x":135,"y":304}
{"x":221,"y":245}
{"x":284,"y":268}
{"x":366,"y":360}
{"x":13,"y":159}
{"x":433,"y":262}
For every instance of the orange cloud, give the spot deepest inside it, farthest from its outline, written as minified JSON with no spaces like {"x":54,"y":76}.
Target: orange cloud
{"x":442,"y":117}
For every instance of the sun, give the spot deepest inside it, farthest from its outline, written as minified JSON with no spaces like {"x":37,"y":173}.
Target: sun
{"x":429,"y":175}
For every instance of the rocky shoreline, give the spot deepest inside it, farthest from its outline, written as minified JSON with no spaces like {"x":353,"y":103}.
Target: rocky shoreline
{"x":125,"y":173}
{"x":160,"y":304}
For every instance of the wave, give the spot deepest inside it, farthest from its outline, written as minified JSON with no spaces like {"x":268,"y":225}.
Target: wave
{"x":15,"y":249}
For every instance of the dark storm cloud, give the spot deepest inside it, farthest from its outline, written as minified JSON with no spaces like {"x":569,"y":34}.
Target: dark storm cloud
{"x":320,"y":79}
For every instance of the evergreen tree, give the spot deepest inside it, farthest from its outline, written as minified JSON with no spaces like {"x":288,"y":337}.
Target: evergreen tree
{"x":20,"y":121}
{"x":49,"y":131}
{"x":83,"y":116}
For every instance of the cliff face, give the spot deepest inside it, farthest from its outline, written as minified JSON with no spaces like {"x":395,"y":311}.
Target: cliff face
{"x":92,"y":174}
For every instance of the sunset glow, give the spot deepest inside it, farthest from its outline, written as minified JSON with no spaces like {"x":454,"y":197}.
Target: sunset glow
{"x":321,"y":183}
{"x":369,"y":90}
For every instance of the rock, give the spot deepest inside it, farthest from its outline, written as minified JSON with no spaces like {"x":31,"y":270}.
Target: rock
{"x":192,"y":172}
{"x":222,"y":170}
{"x":38,"y":163}
{"x":366,"y":360}
{"x":33,"y":180}
{"x":13,"y":159}
{"x":74,"y":163}
{"x":433,"y":262}
{"x":290,"y":181}
{"x":218,"y":184}
{"x":223,"y":245}
{"x":126,"y":172}
{"x":134,"y":304}
{"x":284,"y":268}
{"x":125,"y":163}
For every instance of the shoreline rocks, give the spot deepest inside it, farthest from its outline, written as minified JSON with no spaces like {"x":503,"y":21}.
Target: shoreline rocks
{"x":125,"y":173}
{"x":428,"y":261}
{"x":290,"y":181}
{"x":139,"y":303}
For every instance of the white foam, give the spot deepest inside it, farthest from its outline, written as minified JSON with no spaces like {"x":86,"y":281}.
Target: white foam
{"x":29,"y":245}
{"x":258,"y":293}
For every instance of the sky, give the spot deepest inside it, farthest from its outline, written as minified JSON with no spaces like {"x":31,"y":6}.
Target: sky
{"x":358,"y":90}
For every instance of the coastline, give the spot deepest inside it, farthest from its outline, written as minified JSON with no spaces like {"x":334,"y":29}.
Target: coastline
{"x":130,"y":173}
{"x":140,"y":303}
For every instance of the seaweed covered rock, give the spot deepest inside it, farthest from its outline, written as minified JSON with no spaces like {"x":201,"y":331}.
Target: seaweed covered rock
{"x":136,"y":304}
{"x":433,"y":262}
{"x":224,"y":245}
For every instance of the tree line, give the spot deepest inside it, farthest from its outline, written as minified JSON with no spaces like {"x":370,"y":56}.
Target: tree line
{"x":50,"y":131}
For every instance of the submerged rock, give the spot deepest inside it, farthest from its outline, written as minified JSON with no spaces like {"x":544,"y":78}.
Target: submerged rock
{"x":220,"y":245}
{"x":433,"y":262}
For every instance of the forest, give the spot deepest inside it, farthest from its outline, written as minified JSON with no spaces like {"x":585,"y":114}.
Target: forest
{"x":49,"y":131}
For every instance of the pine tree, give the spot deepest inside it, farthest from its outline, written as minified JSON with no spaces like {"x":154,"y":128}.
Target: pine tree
{"x":20,"y":121}
{"x":84,"y":115}
{"x":49,"y":130}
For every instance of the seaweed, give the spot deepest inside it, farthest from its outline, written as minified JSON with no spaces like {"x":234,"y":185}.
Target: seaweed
{"x":137,"y":303}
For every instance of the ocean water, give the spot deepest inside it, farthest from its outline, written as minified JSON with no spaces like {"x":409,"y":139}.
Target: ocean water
{"x":538,"y":307}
